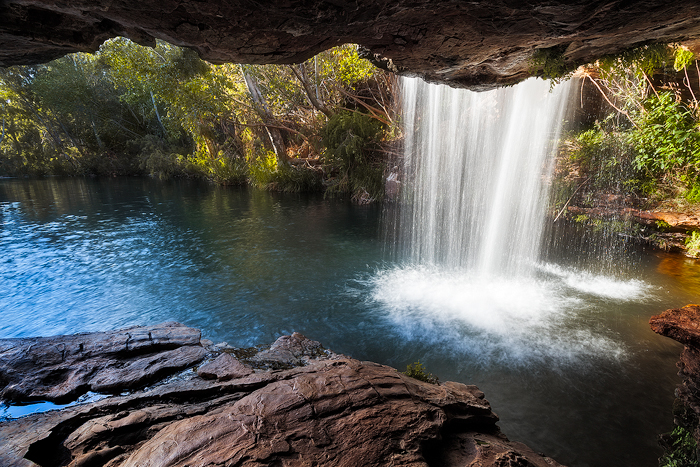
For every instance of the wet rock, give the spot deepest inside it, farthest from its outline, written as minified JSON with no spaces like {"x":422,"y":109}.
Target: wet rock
{"x":668,"y":230}
{"x":62,"y":368}
{"x":678,"y":221}
{"x":225,"y":367}
{"x":477,"y":44}
{"x":682,"y":325}
{"x":288,"y":351}
{"x":330,"y":410}
{"x":619,"y":209}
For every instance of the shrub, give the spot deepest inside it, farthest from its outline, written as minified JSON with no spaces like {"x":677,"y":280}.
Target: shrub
{"x":692,"y":244}
{"x":692,"y":194}
{"x":667,"y":137}
{"x":680,"y":450}
{"x":264,"y":173}
{"x":351,"y":140}
{"x":417,"y":371}
{"x":604,"y":153}
{"x":549,"y":63}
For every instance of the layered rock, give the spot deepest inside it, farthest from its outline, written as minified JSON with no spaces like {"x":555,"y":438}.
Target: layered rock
{"x":476,"y":44}
{"x":295,"y":404}
{"x":683,"y":325}
{"x":62,"y":368}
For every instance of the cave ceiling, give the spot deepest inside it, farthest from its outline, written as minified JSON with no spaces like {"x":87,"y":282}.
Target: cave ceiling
{"x":475,"y":44}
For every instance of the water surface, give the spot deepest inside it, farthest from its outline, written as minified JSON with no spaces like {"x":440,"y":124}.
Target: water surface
{"x":565,"y":357}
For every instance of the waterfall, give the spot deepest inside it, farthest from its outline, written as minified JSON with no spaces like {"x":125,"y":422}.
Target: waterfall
{"x":475,"y":174}
{"x":475,"y":188}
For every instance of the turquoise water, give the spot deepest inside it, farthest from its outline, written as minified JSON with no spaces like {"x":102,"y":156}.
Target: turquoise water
{"x":566,"y":357}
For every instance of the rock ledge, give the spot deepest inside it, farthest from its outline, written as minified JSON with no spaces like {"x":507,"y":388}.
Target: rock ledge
{"x":683,"y":325}
{"x":295,"y":404}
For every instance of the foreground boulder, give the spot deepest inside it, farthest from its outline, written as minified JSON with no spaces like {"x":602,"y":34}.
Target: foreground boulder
{"x":295,"y":404}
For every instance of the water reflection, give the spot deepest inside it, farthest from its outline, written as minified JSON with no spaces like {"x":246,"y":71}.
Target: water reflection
{"x":245,"y":267}
{"x":684,"y":272}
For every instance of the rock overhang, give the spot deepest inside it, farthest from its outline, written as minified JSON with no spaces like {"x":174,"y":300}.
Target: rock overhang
{"x":474,"y":44}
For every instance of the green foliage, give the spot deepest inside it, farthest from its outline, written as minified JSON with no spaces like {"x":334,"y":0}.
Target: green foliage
{"x":662,"y":225}
{"x":352,"y":140}
{"x":266,"y":174}
{"x":692,"y":194}
{"x":417,"y":371}
{"x":625,"y":78}
{"x":221,"y":170}
{"x":666,"y":137}
{"x":650,"y":142}
{"x":604,"y":154}
{"x":345,"y":65}
{"x":682,"y":450}
{"x":692,"y":244}
{"x":550,"y":64}
{"x":636,"y":61}
{"x":162,"y":111}
{"x":348,"y":137}
{"x":683,"y":58}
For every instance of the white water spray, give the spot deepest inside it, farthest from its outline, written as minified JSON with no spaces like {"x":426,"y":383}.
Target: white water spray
{"x":476,"y":169}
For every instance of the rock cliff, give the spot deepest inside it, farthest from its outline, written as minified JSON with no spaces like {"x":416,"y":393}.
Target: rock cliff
{"x":476,"y":44}
{"x":294,"y":404}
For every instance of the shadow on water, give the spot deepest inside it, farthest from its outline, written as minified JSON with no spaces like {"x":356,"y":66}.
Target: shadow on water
{"x":573,"y":370}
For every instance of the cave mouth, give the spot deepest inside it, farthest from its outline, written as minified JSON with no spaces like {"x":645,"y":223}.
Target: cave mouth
{"x":479,"y":45}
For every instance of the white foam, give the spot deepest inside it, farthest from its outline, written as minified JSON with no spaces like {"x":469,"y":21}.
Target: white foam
{"x":598,"y":284}
{"x":509,"y":320}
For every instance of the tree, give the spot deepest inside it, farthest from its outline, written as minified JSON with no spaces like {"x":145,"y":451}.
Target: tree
{"x":271,"y":125}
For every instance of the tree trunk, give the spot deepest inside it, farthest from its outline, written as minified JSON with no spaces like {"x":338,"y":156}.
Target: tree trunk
{"x":311,"y":94}
{"x":268,"y":119}
{"x":155,"y":107}
{"x":100,"y":144}
{"x":2,"y":135}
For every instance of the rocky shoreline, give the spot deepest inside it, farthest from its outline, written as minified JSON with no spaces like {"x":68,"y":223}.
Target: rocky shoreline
{"x":178,"y":400}
{"x":683,"y":325}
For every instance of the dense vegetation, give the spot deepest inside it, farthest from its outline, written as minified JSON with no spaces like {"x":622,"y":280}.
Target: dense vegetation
{"x":131,"y":110}
{"x":649,"y":139}
{"x":643,"y":150}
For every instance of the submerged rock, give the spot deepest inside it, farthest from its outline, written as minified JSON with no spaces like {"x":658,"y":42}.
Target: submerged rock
{"x":313,"y":407}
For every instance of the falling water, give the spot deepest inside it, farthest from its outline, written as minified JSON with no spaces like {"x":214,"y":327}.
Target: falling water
{"x":474,"y":197}
{"x":476,"y":166}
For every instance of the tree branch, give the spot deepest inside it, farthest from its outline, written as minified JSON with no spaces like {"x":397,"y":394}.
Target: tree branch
{"x":310,"y":95}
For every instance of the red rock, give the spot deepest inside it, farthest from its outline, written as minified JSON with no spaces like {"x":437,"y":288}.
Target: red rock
{"x":62,"y":368}
{"x":332,"y":410}
{"x":225,"y":367}
{"x":681,"y":221}
{"x":682,"y":325}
